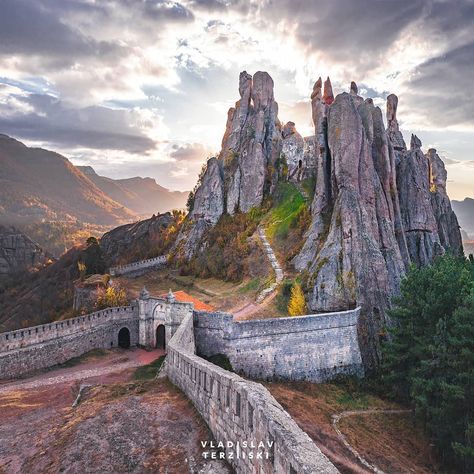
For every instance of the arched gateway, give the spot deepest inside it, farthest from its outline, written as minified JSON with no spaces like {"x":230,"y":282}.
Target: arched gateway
{"x":124,"y":338}
{"x":161,"y":337}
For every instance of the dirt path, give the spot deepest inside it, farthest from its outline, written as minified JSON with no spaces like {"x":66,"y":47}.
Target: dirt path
{"x":335,"y":420}
{"x":96,"y":370}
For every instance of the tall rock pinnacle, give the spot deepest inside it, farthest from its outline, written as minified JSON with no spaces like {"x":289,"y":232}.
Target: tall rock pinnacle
{"x":393,"y":129}
{"x":354,"y":89}
{"x":328,"y":96}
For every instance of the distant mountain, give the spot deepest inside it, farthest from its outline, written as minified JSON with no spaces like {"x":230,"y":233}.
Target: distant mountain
{"x":465,"y":213}
{"x":142,"y":195}
{"x":38,"y":185}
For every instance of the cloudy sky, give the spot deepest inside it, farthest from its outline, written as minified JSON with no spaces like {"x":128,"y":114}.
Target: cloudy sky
{"x":142,"y":87}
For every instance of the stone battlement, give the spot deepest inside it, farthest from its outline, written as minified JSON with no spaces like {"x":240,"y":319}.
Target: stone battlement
{"x":236,"y":409}
{"x":138,"y":266}
{"x":45,"y":332}
{"x":313,"y":347}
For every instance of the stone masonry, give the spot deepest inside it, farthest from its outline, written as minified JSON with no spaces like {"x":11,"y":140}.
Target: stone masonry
{"x":26,"y":350}
{"x":139,"y":266}
{"x":312,"y":348}
{"x":239,"y":410}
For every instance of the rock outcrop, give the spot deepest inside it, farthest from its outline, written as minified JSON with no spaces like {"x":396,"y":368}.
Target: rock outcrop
{"x":209,"y":205}
{"x":377,"y":206}
{"x":298,"y":153}
{"x":393,"y":130}
{"x":247,"y":167}
{"x":251,"y":144}
{"x":447,"y":222}
{"x":18,"y":252}
{"x":120,"y":243}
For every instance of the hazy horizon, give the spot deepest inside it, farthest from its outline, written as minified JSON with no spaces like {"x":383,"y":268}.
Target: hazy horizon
{"x":142,"y":88}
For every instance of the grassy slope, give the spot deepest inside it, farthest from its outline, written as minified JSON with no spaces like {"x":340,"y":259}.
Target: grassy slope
{"x":289,"y":202}
{"x":392,"y":442}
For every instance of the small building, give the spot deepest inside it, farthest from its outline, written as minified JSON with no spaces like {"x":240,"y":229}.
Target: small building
{"x":183,"y":297}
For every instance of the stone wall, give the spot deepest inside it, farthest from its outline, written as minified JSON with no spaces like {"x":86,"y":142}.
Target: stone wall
{"x":138,"y":267}
{"x":26,"y":350}
{"x":237,"y":410}
{"x":313,"y":347}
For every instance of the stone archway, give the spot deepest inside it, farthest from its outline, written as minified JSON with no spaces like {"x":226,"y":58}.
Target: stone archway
{"x":161,"y":337}
{"x":124,"y":338}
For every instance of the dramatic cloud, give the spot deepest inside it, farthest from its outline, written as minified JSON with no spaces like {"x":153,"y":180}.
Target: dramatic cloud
{"x":45,"y":118}
{"x":143,"y":86}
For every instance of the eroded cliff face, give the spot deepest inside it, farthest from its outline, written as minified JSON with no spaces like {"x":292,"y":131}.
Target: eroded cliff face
{"x":247,"y":167}
{"x":18,"y":252}
{"x":377,"y":206}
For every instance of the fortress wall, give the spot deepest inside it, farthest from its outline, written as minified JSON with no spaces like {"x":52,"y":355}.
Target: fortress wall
{"x":64,"y":343}
{"x":240,"y":410}
{"x":136,"y":267}
{"x":33,"y":335}
{"x":312,"y":347}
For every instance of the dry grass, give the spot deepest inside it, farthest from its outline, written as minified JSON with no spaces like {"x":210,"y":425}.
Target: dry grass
{"x":391,"y":442}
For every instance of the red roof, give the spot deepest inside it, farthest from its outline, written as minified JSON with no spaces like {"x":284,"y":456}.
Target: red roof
{"x":184,"y":297}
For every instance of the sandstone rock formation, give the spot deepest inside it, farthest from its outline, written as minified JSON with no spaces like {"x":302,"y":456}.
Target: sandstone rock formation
{"x":393,"y":129}
{"x":18,"y":252}
{"x":298,"y":153}
{"x":118,"y":243}
{"x":251,"y":144}
{"x":377,"y":206}
{"x":376,"y":209}
{"x":209,"y":205}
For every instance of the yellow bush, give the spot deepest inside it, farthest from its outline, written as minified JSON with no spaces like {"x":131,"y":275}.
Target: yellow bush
{"x":297,"y":303}
{"x":111,"y":297}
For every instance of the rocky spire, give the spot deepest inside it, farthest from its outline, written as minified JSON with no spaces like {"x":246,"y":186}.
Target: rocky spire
{"x":393,"y":130}
{"x":316,"y":101}
{"x":354,"y":89}
{"x":448,"y":226}
{"x":328,"y":96}
{"x":245,"y":89}
{"x":415,"y":142}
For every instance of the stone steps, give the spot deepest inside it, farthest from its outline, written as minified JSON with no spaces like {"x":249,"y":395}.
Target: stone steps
{"x":275,"y":265}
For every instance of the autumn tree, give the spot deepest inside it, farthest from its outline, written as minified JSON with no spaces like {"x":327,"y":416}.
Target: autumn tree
{"x":110,"y":297}
{"x":297,"y":303}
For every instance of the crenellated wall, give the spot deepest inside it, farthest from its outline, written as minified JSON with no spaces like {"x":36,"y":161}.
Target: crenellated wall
{"x":313,"y":347}
{"x":46,"y":332}
{"x":137,"y":267}
{"x":27,"y":350}
{"x":237,"y":410}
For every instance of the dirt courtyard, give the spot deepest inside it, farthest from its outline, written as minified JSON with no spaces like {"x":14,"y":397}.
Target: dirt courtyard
{"x":123,"y":424}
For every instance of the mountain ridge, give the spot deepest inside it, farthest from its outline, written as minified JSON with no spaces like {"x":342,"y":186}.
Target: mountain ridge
{"x":142,"y":195}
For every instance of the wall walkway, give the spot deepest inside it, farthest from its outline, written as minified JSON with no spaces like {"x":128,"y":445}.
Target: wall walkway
{"x":238,"y":410}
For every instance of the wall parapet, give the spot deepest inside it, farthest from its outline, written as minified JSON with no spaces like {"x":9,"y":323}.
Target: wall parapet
{"x":239,"y":410}
{"x":311,"y":347}
{"x":21,"y":338}
{"x":139,"y":265}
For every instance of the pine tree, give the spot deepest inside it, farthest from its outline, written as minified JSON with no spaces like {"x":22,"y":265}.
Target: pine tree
{"x":429,"y":357}
{"x":297,"y":303}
